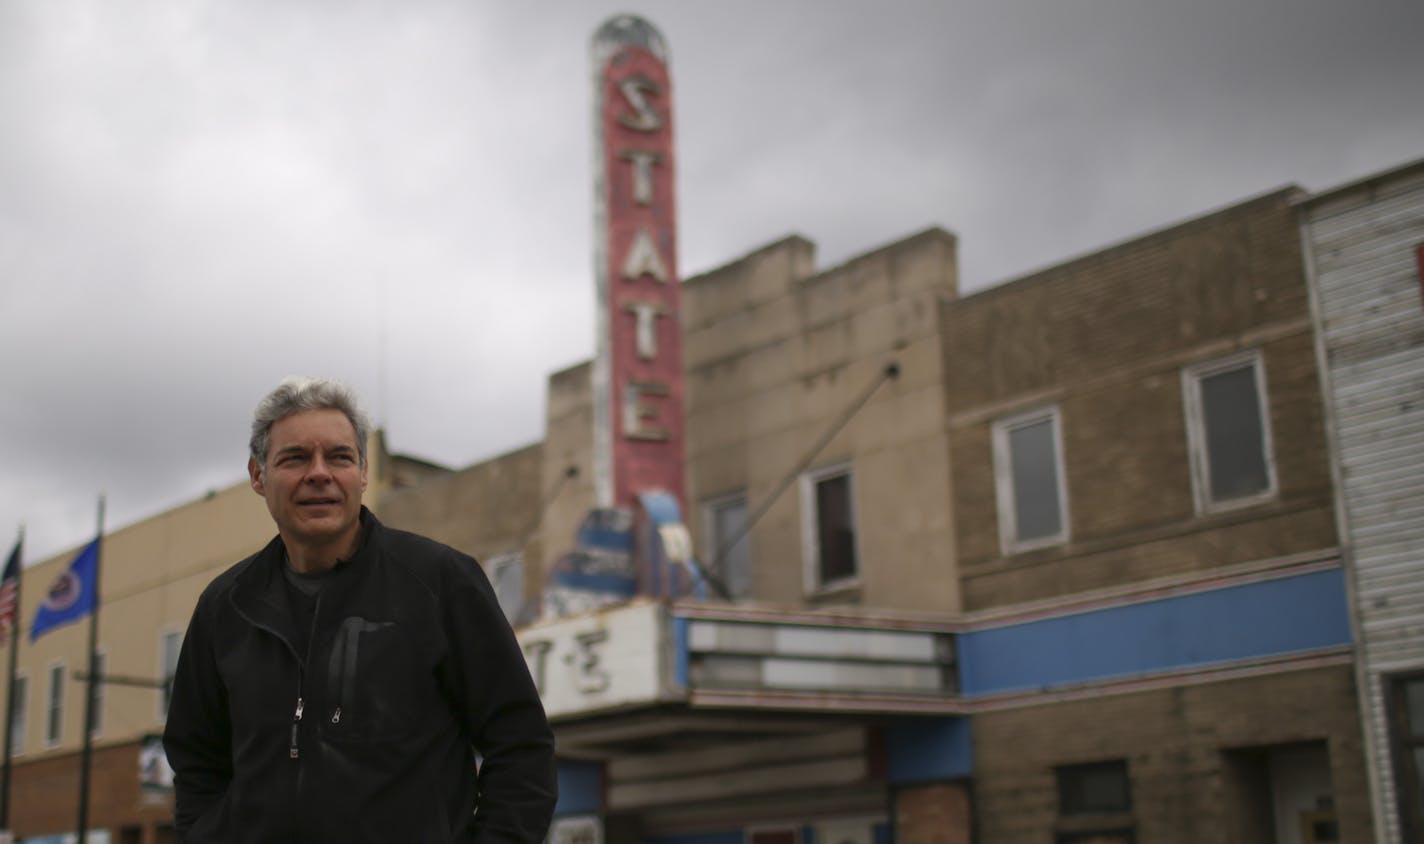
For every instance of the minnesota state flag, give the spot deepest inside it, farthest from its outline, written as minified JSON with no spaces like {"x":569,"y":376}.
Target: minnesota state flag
{"x":71,"y":595}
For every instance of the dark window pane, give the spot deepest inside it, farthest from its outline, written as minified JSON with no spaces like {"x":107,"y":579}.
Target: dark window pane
{"x":1235,"y":437}
{"x":1100,"y":787}
{"x":729,"y":521}
{"x":1035,"y":477}
{"x":1406,"y":727}
{"x":1416,"y":794}
{"x":1414,"y":707}
{"x":835,"y":532}
{"x":172,"y":643}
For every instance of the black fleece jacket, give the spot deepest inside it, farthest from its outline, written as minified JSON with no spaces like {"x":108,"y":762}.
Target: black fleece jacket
{"x":372,"y":734}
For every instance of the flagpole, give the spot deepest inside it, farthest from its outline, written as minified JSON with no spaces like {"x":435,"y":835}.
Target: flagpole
{"x":10,"y":693}
{"x":87,"y":726}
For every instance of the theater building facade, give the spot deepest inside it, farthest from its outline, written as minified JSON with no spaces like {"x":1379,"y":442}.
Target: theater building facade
{"x":1057,"y":561}
{"x":1054,"y":561}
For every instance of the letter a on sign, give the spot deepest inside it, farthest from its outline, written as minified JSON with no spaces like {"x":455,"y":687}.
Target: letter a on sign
{"x":643,"y":258}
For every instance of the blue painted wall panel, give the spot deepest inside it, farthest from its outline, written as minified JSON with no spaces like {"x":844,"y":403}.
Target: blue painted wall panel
{"x":929,"y":749}
{"x":580,"y":788}
{"x":1278,"y":616}
{"x":679,"y":644}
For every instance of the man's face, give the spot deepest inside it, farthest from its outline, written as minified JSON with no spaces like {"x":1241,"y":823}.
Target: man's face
{"x":313,"y":479}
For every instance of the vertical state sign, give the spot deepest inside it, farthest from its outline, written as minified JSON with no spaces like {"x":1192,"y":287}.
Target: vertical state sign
{"x":637,"y":383}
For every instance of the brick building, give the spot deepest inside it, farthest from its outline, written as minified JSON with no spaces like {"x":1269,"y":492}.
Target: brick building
{"x":1141,"y":485}
{"x":1364,"y":247}
{"x":1056,"y":561}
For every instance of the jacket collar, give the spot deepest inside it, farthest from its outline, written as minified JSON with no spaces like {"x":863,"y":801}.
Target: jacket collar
{"x":260,"y":596}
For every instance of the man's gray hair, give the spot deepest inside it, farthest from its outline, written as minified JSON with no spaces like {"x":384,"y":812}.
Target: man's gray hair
{"x":298,"y":393}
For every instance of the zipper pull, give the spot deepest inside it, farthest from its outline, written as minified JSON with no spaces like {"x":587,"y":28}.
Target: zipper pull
{"x":336,"y":716}
{"x":296,"y":719}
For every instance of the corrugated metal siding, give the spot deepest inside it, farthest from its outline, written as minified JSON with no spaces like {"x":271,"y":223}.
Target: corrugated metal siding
{"x":1362,"y":247}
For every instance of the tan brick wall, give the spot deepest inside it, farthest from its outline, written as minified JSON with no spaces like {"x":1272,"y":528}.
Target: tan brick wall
{"x":1105,"y":339}
{"x":45,"y":794}
{"x":775,"y":355}
{"x":568,"y":443}
{"x":1175,"y":744}
{"x":938,"y":813}
{"x":486,"y":509}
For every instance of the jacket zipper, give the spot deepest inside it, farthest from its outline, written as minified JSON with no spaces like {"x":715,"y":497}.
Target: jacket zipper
{"x":301,"y":676}
{"x":296,"y":722}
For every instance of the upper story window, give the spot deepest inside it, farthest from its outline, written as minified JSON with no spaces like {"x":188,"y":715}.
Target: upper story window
{"x":54,"y":709}
{"x":170,"y":642}
{"x":506,"y":574}
{"x":1405,"y":708}
{"x":1098,"y":789}
{"x":724,"y":521}
{"x":1094,"y":788}
{"x":828,"y":546}
{"x":1028,"y":474}
{"x":1229,"y":432}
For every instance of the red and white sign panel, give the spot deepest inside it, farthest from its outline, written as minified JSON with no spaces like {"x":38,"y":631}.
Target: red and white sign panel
{"x":638,"y":374}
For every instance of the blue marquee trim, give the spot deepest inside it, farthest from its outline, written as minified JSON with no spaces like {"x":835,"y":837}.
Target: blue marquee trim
{"x":1284,"y":615}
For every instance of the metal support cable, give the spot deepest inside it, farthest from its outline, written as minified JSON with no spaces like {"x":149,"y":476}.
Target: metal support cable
{"x":890,"y":372}
{"x":570,"y":472}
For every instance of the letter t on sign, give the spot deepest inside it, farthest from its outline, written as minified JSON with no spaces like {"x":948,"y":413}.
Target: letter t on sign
{"x":646,"y":337}
{"x":643,"y":161}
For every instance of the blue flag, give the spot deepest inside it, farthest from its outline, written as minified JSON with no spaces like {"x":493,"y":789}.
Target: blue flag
{"x":71,"y":596}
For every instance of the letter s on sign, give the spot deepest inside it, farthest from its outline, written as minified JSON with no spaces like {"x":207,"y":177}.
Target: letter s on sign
{"x":643,"y":118}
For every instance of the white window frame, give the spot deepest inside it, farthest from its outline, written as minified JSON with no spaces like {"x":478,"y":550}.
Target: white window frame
{"x":1004,"y":479}
{"x":709,"y":534}
{"x":810,"y":539}
{"x":18,"y":723}
{"x":95,"y":684}
{"x":54,"y":700}
{"x":1192,"y":377}
{"x":163,"y":635}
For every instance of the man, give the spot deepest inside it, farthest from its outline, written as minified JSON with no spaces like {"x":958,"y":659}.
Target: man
{"x":337,"y":685}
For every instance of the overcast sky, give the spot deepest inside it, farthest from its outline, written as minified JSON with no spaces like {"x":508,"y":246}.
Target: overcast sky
{"x":198,"y":198}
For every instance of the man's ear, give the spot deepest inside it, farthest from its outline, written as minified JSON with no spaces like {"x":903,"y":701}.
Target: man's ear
{"x":254,"y":474}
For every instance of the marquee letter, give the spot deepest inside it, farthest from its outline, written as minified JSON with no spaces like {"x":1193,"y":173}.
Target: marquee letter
{"x":646,"y":314}
{"x":635,"y":410}
{"x":536,"y":655}
{"x":643,"y":119}
{"x":643,"y":161}
{"x":643,"y":258}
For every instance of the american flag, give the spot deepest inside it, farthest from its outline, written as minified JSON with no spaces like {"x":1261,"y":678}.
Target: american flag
{"x":9,"y":592}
